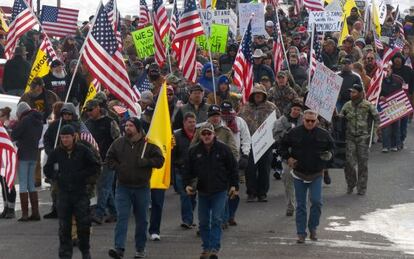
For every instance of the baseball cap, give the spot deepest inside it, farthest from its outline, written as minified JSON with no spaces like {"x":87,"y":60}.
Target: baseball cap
{"x":214,"y":110}
{"x":207,"y":127}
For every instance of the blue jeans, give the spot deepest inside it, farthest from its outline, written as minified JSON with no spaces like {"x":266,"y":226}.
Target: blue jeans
{"x":139,"y":199}
{"x":230,"y":208}
{"x":26,"y":176}
{"x":104,"y":192}
{"x":301,"y":191}
{"x":157,"y":203}
{"x":188,"y":202}
{"x":391,"y":135}
{"x":403,"y":129}
{"x":210,"y":216}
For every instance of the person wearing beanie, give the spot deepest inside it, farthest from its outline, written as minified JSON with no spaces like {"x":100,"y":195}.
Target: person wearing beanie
{"x":27,"y":133}
{"x":70,"y":165}
{"x":69,"y":117}
{"x":132,"y":158}
{"x":57,"y":80}
{"x":104,"y":130}
{"x":226,"y":61}
{"x":223,"y":93}
{"x":241,"y":135}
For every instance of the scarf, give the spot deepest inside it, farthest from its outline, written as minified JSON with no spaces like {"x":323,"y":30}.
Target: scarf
{"x":230,"y":119}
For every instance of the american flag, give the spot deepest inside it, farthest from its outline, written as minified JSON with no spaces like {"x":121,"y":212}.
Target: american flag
{"x":377,"y":41}
{"x":313,"y":5}
{"x":59,"y":22}
{"x":174,"y":21}
{"x":374,"y":88}
{"x":144,"y":17}
{"x":8,"y":157}
{"x":115,"y":19}
{"x":22,"y":21}
{"x":105,"y":62}
{"x":398,"y":99}
{"x":86,"y":135}
{"x":189,"y":28}
{"x":161,"y":29}
{"x":316,"y":51}
{"x":398,"y":27}
{"x":47,"y":47}
{"x":243,"y":64}
{"x":142,"y":84}
{"x":277,"y":46}
{"x":298,"y":6}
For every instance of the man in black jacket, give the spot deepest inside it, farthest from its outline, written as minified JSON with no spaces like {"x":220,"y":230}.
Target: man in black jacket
{"x":307,"y":148}
{"x":211,"y":169}
{"x":70,"y":165}
{"x":16,"y":73}
{"x":183,"y":138}
{"x":350,"y":79}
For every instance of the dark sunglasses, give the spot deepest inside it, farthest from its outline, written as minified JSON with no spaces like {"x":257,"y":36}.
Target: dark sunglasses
{"x":310,"y":121}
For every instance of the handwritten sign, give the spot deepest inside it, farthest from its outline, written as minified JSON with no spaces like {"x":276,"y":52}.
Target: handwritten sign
{"x":144,"y":41}
{"x":382,"y":12}
{"x":226,"y":17}
{"x":394,"y":107}
{"x":325,"y":21}
{"x":262,"y":138}
{"x":217,"y":41}
{"x":258,"y":22}
{"x":323,"y":91}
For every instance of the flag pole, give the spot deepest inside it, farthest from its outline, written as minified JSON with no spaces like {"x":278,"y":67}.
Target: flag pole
{"x":310,"y":54}
{"x":283,"y":45}
{"x":76,"y":70}
{"x":169,"y":38}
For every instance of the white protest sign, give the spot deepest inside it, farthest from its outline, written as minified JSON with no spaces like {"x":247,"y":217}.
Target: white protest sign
{"x":335,"y":6}
{"x":206,"y":17}
{"x":323,"y":91}
{"x":226,"y":17}
{"x":382,"y":12}
{"x":258,"y":22}
{"x":263,"y":139}
{"x":325,"y":21}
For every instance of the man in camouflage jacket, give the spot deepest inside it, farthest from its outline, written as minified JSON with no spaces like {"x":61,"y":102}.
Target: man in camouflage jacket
{"x":359,"y":114}
{"x":282,"y":94}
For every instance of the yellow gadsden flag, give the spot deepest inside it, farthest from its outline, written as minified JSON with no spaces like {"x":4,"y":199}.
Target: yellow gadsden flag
{"x":375,"y":18}
{"x":344,"y":32}
{"x":40,"y":66}
{"x":3,"y":24}
{"x":92,"y":90}
{"x":160,"y":134}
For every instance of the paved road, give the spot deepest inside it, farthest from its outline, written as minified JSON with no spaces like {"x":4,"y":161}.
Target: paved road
{"x":351,"y":226}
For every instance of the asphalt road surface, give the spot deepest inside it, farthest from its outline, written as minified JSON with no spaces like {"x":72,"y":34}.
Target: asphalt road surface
{"x":378,"y":225}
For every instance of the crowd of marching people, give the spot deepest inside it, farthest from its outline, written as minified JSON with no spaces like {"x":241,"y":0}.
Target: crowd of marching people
{"x":94,"y":147}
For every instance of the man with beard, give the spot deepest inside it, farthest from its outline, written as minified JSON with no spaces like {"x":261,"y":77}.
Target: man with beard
{"x":350,"y":78}
{"x":56,"y":81}
{"x":370,"y":64}
{"x":39,"y":98}
{"x":133,"y":159}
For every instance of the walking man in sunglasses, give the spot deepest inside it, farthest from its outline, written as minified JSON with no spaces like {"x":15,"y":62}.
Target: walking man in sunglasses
{"x":211,"y":169}
{"x":307,"y":149}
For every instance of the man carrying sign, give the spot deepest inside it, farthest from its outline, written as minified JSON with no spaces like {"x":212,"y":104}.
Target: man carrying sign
{"x":359,"y":114}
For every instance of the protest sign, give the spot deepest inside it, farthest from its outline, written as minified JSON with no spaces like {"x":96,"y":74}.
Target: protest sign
{"x":226,"y":17}
{"x":262,"y":138}
{"x":325,"y":21}
{"x":144,"y":41}
{"x":334,"y":6}
{"x":394,"y":107}
{"x":323,"y":91}
{"x":206,"y":17}
{"x":258,"y":22}
{"x":382,"y":12}
{"x":217,"y":40}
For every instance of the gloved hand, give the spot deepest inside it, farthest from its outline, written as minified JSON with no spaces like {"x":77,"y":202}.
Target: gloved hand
{"x":143,"y":162}
{"x":243,"y":162}
{"x":325,"y":156}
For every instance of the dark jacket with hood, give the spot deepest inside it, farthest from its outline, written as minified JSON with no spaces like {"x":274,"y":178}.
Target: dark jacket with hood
{"x":72,"y":170}
{"x":124,"y":156}
{"x":226,"y":61}
{"x":404,"y":71}
{"x":27,"y":133}
{"x":391,"y":84}
{"x":207,"y":83}
{"x":262,"y":70}
{"x":51,"y":132}
{"x":350,"y":78}
{"x":331,"y":60}
{"x":16,"y":73}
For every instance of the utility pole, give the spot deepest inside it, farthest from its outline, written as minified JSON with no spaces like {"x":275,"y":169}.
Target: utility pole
{"x":38,"y":7}
{"x":58,"y":3}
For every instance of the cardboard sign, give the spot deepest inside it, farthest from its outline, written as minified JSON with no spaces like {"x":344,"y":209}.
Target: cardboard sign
{"x":325,"y":21}
{"x":206,"y":17}
{"x":144,"y":41}
{"x":258,"y":22}
{"x":382,"y":12}
{"x":323,"y":91}
{"x":263,"y":139}
{"x":394,"y":107}
{"x":226,"y":17}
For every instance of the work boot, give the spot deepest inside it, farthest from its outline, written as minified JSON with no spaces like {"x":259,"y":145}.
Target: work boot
{"x":10,"y":214}
{"x":116,"y":253}
{"x":301,"y":239}
{"x":24,"y":203}
{"x":51,"y":215}
{"x":3,"y":214}
{"x":313,"y":236}
{"x":34,"y":201}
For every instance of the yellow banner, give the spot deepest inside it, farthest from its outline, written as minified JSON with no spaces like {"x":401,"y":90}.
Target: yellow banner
{"x":91,"y":93}
{"x":3,"y":24}
{"x":40,"y":68}
{"x":344,"y":32}
{"x":160,"y":134}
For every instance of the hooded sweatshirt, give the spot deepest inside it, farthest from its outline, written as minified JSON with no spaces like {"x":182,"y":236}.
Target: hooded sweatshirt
{"x":207,"y":83}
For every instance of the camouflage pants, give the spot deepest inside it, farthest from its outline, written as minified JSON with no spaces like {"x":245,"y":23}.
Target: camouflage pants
{"x":357,"y":155}
{"x":287,"y":179}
